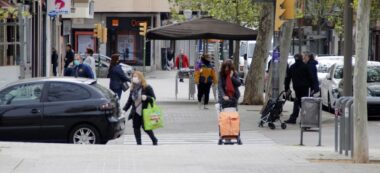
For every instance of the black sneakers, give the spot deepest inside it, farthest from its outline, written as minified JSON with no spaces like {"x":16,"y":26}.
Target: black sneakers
{"x":290,"y":121}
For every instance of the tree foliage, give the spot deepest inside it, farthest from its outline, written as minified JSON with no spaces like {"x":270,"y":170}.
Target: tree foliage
{"x":332,"y":12}
{"x":11,"y":13}
{"x":242,"y":12}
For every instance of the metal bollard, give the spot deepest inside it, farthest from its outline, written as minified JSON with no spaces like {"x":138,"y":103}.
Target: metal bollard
{"x":352,"y":128}
{"x":342,"y":125}
{"x":348,"y":126}
{"x":338,"y":113}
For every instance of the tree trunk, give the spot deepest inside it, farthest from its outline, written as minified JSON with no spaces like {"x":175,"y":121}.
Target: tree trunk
{"x":253,"y":94}
{"x":236,"y":55}
{"x":286,"y":39}
{"x":360,"y":83}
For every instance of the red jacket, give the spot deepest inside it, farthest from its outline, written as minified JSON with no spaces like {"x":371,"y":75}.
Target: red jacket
{"x":185,"y":61}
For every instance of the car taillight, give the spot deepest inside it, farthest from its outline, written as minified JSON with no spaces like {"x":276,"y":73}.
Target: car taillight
{"x":106,"y":107}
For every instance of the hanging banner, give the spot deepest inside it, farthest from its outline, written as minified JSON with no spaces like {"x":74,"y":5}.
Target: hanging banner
{"x":58,"y":7}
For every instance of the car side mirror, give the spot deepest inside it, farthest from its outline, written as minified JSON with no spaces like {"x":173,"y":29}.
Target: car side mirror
{"x":328,"y":77}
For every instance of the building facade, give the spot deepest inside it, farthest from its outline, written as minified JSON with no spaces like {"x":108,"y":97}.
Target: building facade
{"x":122,"y":18}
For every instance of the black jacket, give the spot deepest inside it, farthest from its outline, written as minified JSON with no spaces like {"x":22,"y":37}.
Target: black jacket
{"x":54,"y":58}
{"x":69,"y":58}
{"x":300,"y":75}
{"x":222,"y":91}
{"x":148,"y":91}
{"x":117,"y":78}
{"x":312,"y":64}
{"x":82,"y":70}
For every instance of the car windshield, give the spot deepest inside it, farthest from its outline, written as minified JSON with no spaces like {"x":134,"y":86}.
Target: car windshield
{"x":338,"y":72}
{"x":323,"y":68}
{"x":373,"y":73}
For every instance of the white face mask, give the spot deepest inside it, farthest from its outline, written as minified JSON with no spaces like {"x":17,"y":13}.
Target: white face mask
{"x":136,"y":80}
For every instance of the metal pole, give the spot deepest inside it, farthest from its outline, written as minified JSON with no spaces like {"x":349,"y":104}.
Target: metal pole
{"x":48,"y":42}
{"x":347,"y":70}
{"x":22,"y":41}
{"x":144,"y":54}
{"x":275,"y":61}
{"x":300,"y":37}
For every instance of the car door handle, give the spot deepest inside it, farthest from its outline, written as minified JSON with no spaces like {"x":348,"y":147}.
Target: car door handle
{"x":35,"y":111}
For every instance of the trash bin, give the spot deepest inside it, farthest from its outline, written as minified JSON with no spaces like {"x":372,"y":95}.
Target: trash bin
{"x":311,"y":116}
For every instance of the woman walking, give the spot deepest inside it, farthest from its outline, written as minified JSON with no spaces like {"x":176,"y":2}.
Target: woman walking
{"x":116,"y":75}
{"x":140,"y":96}
{"x":204,"y":77}
{"x":228,"y":86}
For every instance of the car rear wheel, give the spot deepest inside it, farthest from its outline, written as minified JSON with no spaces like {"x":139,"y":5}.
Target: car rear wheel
{"x":84,"y":134}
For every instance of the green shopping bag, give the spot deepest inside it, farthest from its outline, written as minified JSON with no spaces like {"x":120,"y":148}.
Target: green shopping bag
{"x":152,"y":116}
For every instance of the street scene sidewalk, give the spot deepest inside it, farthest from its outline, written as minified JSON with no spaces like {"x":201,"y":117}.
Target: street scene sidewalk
{"x":188,"y":143}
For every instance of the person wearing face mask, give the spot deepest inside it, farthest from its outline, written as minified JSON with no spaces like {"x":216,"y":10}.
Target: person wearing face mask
{"x":228,"y":85}
{"x":80,"y":69}
{"x":90,"y":60}
{"x":116,"y":75}
{"x":140,"y":95}
{"x":204,"y":77}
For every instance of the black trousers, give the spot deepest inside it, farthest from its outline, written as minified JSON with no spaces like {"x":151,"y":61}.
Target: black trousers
{"x":138,"y":123}
{"x":204,"y":91}
{"x":300,"y":92}
{"x":118,"y":92}
{"x":55,"y":69}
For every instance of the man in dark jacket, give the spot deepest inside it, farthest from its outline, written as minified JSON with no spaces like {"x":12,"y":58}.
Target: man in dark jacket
{"x":69,"y":58}
{"x":54,"y":61}
{"x":309,"y":59}
{"x":80,"y":69}
{"x":300,"y":75}
{"x":69,"y":55}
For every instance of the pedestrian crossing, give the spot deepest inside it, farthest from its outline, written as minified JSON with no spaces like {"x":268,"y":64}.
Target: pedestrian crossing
{"x":199,"y":138}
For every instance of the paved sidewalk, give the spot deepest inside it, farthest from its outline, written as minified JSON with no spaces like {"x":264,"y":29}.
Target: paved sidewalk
{"x":188,"y":143}
{"x":259,"y":158}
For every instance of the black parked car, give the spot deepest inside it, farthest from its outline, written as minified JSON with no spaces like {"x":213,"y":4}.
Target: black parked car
{"x":74,"y":110}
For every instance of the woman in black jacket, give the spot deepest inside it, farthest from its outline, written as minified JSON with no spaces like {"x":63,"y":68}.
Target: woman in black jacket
{"x":228,"y":86}
{"x":140,"y":96}
{"x":116,"y":75}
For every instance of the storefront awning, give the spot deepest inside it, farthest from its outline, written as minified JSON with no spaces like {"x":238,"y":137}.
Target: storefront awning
{"x":203,"y":28}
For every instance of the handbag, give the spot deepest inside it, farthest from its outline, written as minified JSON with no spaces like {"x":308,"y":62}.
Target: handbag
{"x":152,"y":117}
{"x":125,"y":86}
